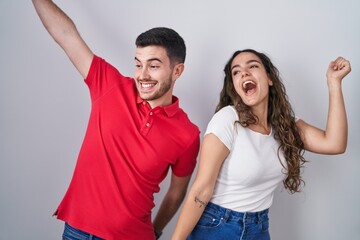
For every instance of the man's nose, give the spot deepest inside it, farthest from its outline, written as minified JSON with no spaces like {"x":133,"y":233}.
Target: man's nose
{"x":144,"y":73}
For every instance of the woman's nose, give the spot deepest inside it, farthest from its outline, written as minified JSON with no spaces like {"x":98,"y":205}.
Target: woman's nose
{"x":244,"y":73}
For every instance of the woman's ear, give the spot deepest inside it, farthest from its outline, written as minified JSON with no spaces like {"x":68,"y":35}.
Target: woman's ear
{"x":270,"y":82}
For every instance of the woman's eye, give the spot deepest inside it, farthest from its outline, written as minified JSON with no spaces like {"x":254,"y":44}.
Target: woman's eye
{"x":254,"y":66}
{"x":235,"y":73}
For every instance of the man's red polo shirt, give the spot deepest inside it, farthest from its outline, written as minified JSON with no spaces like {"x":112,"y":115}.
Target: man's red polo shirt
{"x":127,"y":151}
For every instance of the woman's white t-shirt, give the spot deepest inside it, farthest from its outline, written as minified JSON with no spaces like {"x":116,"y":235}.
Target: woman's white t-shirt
{"x":251,"y":172}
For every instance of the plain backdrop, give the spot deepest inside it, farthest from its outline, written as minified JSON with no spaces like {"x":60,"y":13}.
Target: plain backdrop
{"x":44,"y":104}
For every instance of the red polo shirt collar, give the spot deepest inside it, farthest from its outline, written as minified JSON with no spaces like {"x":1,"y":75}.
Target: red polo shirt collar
{"x":170,"y":110}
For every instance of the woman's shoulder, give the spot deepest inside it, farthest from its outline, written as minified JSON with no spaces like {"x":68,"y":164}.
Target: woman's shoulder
{"x":227,"y":113}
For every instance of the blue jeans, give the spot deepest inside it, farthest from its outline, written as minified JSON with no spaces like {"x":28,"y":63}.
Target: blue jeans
{"x":221,"y":223}
{"x":71,"y":233}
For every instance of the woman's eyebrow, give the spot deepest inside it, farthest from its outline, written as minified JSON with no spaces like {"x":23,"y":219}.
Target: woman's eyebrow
{"x":248,"y":62}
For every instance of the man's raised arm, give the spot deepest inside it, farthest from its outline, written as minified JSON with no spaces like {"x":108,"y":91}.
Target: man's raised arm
{"x":64,"y":32}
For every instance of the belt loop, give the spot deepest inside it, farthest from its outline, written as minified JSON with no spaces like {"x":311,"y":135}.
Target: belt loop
{"x":226,"y":215}
{"x":259,"y":220}
{"x":244,"y":217}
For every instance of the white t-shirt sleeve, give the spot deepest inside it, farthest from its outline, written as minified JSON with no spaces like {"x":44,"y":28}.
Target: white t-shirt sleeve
{"x":222,"y":125}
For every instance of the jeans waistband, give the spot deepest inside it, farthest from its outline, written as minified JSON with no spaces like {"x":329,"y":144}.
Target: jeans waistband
{"x":230,"y":215}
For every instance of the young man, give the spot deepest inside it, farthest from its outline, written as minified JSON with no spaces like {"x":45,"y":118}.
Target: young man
{"x":135,"y":133}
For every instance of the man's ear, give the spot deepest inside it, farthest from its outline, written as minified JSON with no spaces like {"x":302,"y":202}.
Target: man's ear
{"x":178,"y":70}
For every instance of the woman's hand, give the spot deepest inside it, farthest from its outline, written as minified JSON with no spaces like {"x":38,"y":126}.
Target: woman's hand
{"x":337,"y":70}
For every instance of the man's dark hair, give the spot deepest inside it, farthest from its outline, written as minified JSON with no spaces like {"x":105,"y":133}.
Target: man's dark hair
{"x":167,"y":38}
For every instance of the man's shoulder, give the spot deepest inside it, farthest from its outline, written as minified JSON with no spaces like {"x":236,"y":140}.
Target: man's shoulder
{"x":186,"y":122}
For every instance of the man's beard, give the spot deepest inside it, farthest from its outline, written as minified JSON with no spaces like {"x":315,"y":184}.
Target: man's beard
{"x":164,"y":88}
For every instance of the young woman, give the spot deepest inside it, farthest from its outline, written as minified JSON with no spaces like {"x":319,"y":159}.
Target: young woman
{"x":253,"y":143}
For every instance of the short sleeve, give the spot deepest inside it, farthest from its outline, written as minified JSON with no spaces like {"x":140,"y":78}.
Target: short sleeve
{"x":102,"y":77}
{"x":186,"y":163}
{"x":222,"y":125}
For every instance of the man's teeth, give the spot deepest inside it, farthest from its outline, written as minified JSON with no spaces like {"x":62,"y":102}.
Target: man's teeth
{"x":147,"y":85}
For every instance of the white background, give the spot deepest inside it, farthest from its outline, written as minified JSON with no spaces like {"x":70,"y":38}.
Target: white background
{"x":44,"y":104}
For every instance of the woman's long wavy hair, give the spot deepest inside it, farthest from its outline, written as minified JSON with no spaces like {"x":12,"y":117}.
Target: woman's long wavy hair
{"x":280,"y":116}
